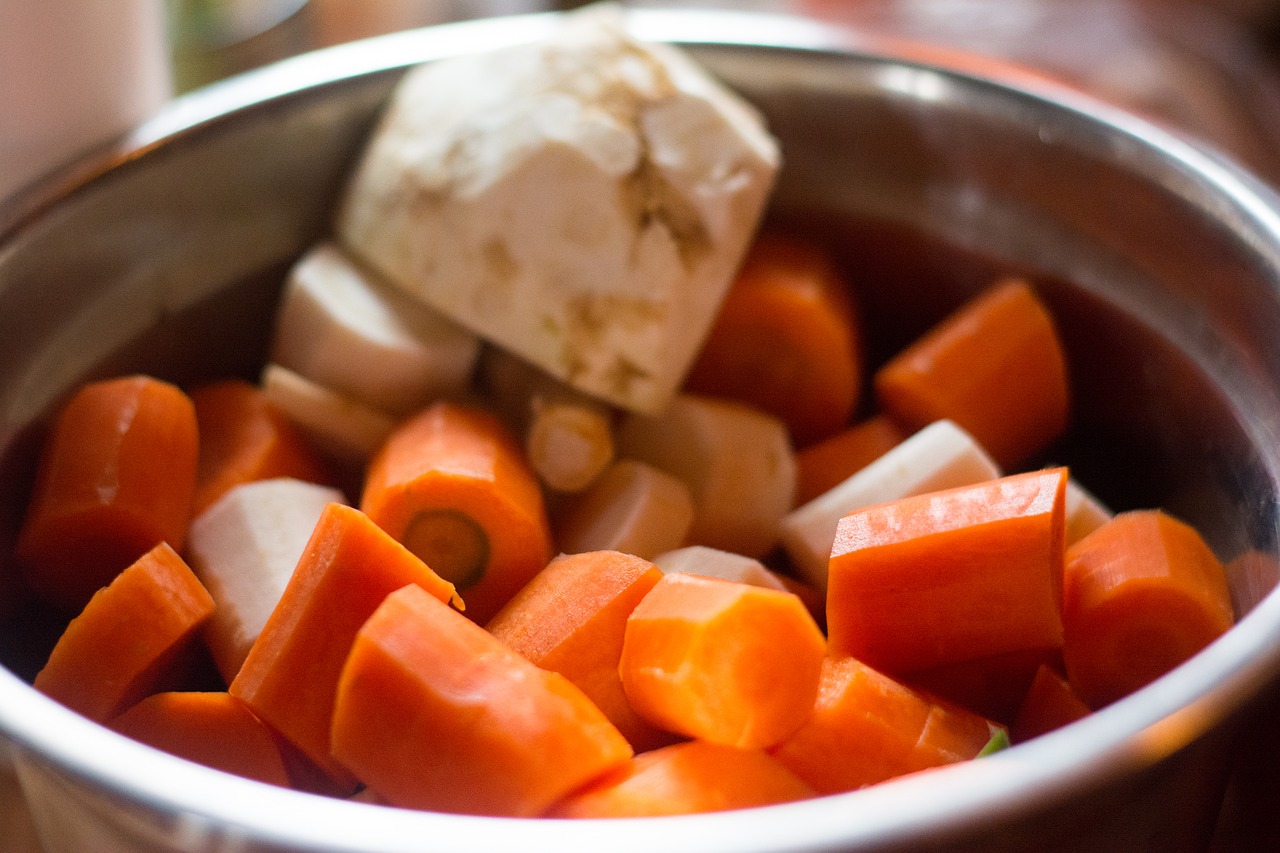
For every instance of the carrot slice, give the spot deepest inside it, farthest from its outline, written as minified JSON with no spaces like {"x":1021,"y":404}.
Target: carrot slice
{"x":1051,"y":703}
{"x":995,"y":366}
{"x":100,"y":500}
{"x":950,"y":576}
{"x":434,"y":713}
{"x":1141,"y":594}
{"x":243,"y":438}
{"x":130,"y":638}
{"x":693,"y":777}
{"x":824,"y":465}
{"x":867,"y":727}
{"x":571,"y":618}
{"x":722,"y":661}
{"x":786,"y":340}
{"x":214,"y":729}
{"x":452,"y":485}
{"x":291,"y":673}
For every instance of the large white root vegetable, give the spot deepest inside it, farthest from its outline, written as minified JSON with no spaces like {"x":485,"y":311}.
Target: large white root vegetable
{"x":582,"y":201}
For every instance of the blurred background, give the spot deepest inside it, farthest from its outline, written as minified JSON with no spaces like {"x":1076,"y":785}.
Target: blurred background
{"x":75,"y":72}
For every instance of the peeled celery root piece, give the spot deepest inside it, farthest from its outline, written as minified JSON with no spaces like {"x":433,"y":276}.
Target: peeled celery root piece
{"x":582,"y":200}
{"x":736,"y":460}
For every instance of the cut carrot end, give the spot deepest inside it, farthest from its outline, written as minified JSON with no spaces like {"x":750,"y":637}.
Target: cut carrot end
{"x":100,"y":501}
{"x":290,"y":676}
{"x":1050,"y":703}
{"x":451,"y":543}
{"x":995,"y":366}
{"x":213,"y":729}
{"x":433,"y":712}
{"x":571,"y":619}
{"x":461,"y":458}
{"x":693,"y":777}
{"x":721,"y":661}
{"x":950,"y":576}
{"x":867,"y":727}
{"x":1142,"y":594}
{"x":129,"y":639}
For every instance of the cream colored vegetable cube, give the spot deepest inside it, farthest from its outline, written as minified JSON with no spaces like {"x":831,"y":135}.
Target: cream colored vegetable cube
{"x":582,"y":201}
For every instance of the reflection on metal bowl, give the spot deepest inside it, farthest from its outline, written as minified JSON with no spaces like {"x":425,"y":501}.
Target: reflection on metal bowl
{"x":1160,"y":261}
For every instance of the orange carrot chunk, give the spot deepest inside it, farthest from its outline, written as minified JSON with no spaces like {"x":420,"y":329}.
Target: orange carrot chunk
{"x":950,"y":576}
{"x":434,"y":713}
{"x":867,"y":727}
{"x":243,"y":439}
{"x":786,"y":340}
{"x":291,"y":673}
{"x":453,"y":485}
{"x":1141,"y":594}
{"x":101,"y":499}
{"x":571,"y":619}
{"x":1050,"y":704}
{"x":132,"y":637}
{"x":723,"y":661}
{"x":686,"y":778}
{"x":214,"y":729}
{"x":993,"y":686}
{"x":995,"y":367}
{"x":824,"y":465}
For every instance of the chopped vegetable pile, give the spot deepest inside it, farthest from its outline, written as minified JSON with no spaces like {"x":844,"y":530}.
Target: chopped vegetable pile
{"x":498,"y":533}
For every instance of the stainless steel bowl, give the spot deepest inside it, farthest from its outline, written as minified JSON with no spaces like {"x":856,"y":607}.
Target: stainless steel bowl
{"x":1160,"y":260}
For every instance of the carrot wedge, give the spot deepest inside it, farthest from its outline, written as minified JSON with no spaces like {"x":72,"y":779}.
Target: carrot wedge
{"x":995,"y":366}
{"x":571,"y":619}
{"x":100,"y":500}
{"x":453,"y":485}
{"x":243,"y":438}
{"x":214,"y":729}
{"x":824,"y":465}
{"x":786,"y":340}
{"x":433,"y":712}
{"x":950,"y":576}
{"x":721,"y":661}
{"x":129,"y":639}
{"x":1141,"y":594}
{"x":693,"y":777}
{"x":867,"y":727}
{"x":290,"y":675}
{"x":1051,"y":703}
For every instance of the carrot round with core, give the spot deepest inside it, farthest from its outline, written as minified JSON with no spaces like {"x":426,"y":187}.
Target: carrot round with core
{"x":824,"y":465}
{"x":130,"y":639}
{"x":721,"y":661}
{"x":1141,"y":594}
{"x":571,"y":619}
{"x":433,"y":712}
{"x":243,"y":439}
{"x":214,"y":729}
{"x":950,"y":576}
{"x":693,"y":777}
{"x":995,"y":366}
{"x":290,"y":676}
{"x":102,"y":497}
{"x":867,"y":727}
{"x":786,"y":340}
{"x":452,"y":484}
